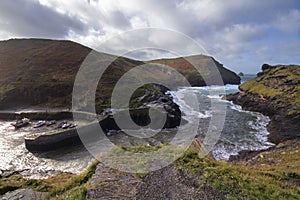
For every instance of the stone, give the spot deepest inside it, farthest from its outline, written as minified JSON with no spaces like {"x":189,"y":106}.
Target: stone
{"x":23,"y":194}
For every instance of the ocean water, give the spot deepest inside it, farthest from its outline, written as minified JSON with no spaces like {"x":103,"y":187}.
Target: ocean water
{"x":242,"y":130}
{"x":15,"y":157}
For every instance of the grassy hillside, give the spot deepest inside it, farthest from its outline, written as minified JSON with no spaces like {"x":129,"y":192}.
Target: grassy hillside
{"x":40,"y":72}
{"x":37,"y":72}
{"x":274,"y":92}
{"x":277,"y":82}
{"x":204,"y":64}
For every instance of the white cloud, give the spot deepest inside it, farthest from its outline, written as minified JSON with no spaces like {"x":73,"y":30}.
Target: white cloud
{"x":31,"y":19}
{"x":235,"y":31}
{"x":289,"y":22}
{"x":240,"y":33}
{"x":139,"y":22}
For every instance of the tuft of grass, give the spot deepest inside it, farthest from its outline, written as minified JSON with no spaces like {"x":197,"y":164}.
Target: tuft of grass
{"x":76,"y":188}
{"x":61,"y":186}
{"x":17,"y":181}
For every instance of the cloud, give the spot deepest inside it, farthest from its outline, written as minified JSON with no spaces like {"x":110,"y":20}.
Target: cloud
{"x":289,"y":22}
{"x":239,"y":33}
{"x":31,"y":19}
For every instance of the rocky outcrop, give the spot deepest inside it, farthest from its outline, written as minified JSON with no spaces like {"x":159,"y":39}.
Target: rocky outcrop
{"x":24,"y":194}
{"x":166,"y":183}
{"x":140,"y":115}
{"x":107,"y":183}
{"x":275,"y":92}
{"x":269,"y":156}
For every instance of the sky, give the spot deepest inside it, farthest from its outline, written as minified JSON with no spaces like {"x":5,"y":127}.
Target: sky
{"x":241,"y":34}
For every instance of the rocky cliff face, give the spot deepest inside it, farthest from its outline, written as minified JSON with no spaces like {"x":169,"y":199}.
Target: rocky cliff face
{"x":274,"y":92}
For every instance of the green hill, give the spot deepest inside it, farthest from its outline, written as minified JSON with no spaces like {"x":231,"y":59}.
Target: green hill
{"x":41,"y":72}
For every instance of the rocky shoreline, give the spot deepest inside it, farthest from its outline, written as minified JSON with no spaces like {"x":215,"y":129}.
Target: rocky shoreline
{"x":275,"y":93}
{"x":281,"y":127}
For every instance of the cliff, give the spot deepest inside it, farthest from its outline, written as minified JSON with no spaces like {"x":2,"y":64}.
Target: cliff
{"x":204,"y":64}
{"x":274,"y":92}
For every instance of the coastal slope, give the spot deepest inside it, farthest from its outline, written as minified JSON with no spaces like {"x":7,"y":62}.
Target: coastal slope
{"x":275,"y":92}
{"x":199,"y":69}
{"x":41,"y":72}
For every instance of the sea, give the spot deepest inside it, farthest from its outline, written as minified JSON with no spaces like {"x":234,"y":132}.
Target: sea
{"x":242,"y":130}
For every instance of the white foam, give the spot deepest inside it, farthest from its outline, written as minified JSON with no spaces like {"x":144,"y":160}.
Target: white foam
{"x":256,"y":140}
{"x":189,"y":112}
{"x":214,"y":87}
{"x":214,"y":96}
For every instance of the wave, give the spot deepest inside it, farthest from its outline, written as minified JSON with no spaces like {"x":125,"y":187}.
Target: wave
{"x":212,"y":87}
{"x":179,"y":97}
{"x":249,"y":129}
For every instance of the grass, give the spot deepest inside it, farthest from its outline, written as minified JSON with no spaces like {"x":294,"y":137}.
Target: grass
{"x":262,"y":181}
{"x":17,"y":181}
{"x":76,"y":188}
{"x":275,"y":81}
{"x":61,"y":186}
{"x":270,"y":175}
{"x":278,"y":82}
{"x":139,"y":159}
{"x":259,"y":88}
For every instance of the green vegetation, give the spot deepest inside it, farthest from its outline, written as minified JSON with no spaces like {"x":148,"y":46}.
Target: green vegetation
{"x":76,"y":187}
{"x":197,"y":69}
{"x":61,"y":186}
{"x":37,"y":72}
{"x":17,"y":181}
{"x":255,"y":87}
{"x":140,"y":158}
{"x":266,"y":179}
{"x":5,"y":88}
{"x":272,"y":174}
{"x":277,"y":83}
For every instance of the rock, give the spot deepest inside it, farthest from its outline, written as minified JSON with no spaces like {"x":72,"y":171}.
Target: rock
{"x":197,"y":147}
{"x":265,"y":67}
{"x":261,"y":155}
{"x":166,"y":183}
{"x":112,"y":184}
{"x":274,"y":93}
{"x":171,"y":183}
{"x":23,"y":194}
